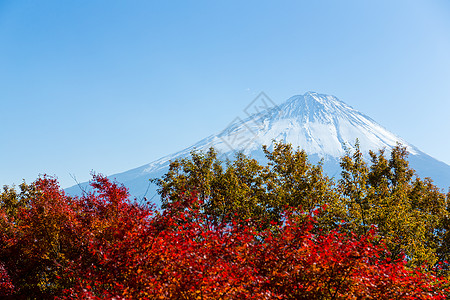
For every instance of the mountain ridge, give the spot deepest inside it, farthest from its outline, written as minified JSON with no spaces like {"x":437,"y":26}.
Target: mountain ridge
{"x":323,"y":125}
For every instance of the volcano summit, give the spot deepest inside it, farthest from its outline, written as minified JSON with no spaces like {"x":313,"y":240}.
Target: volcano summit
{"x":322,"y":125}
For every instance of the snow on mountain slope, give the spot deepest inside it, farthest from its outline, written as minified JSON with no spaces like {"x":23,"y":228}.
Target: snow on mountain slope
{"x":320,"y":124}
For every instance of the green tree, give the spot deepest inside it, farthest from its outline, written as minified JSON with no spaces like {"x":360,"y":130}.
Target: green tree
{"x":410,"y":213}
{"x":406,"y":210}
{"x":245,"y":187}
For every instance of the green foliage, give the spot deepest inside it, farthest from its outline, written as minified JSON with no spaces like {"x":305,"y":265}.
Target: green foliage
{"x":292,"y":181}
{"x":245,"y":188}
{"x":407,"y":212}
{"x":410,"y":213}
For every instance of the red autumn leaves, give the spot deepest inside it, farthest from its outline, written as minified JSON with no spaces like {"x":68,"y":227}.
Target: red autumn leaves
{"x":103,"y":246}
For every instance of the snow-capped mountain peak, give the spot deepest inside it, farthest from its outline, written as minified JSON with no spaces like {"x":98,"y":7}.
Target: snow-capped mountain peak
{"x":322,"y":125}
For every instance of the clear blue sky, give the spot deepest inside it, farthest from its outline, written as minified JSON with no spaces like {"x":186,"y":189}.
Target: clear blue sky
{"x":112,"y":85}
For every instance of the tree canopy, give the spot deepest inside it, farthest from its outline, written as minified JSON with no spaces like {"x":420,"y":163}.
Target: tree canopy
{"x":233,"y":230}
{"x":410,"y":213}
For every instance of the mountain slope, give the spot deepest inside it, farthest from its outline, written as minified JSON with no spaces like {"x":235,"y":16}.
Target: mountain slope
{"x":320,"y":124}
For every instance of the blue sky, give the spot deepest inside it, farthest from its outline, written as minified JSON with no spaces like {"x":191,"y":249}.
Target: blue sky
{"x":112,"y":85}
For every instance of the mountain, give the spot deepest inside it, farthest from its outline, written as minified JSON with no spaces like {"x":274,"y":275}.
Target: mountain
{"x":322,"y":125}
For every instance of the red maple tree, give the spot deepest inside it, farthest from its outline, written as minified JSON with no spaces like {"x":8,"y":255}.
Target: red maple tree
{"x":104,"y":245}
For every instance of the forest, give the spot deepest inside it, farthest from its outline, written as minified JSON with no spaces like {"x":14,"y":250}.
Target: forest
{"x":234,"y":229}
